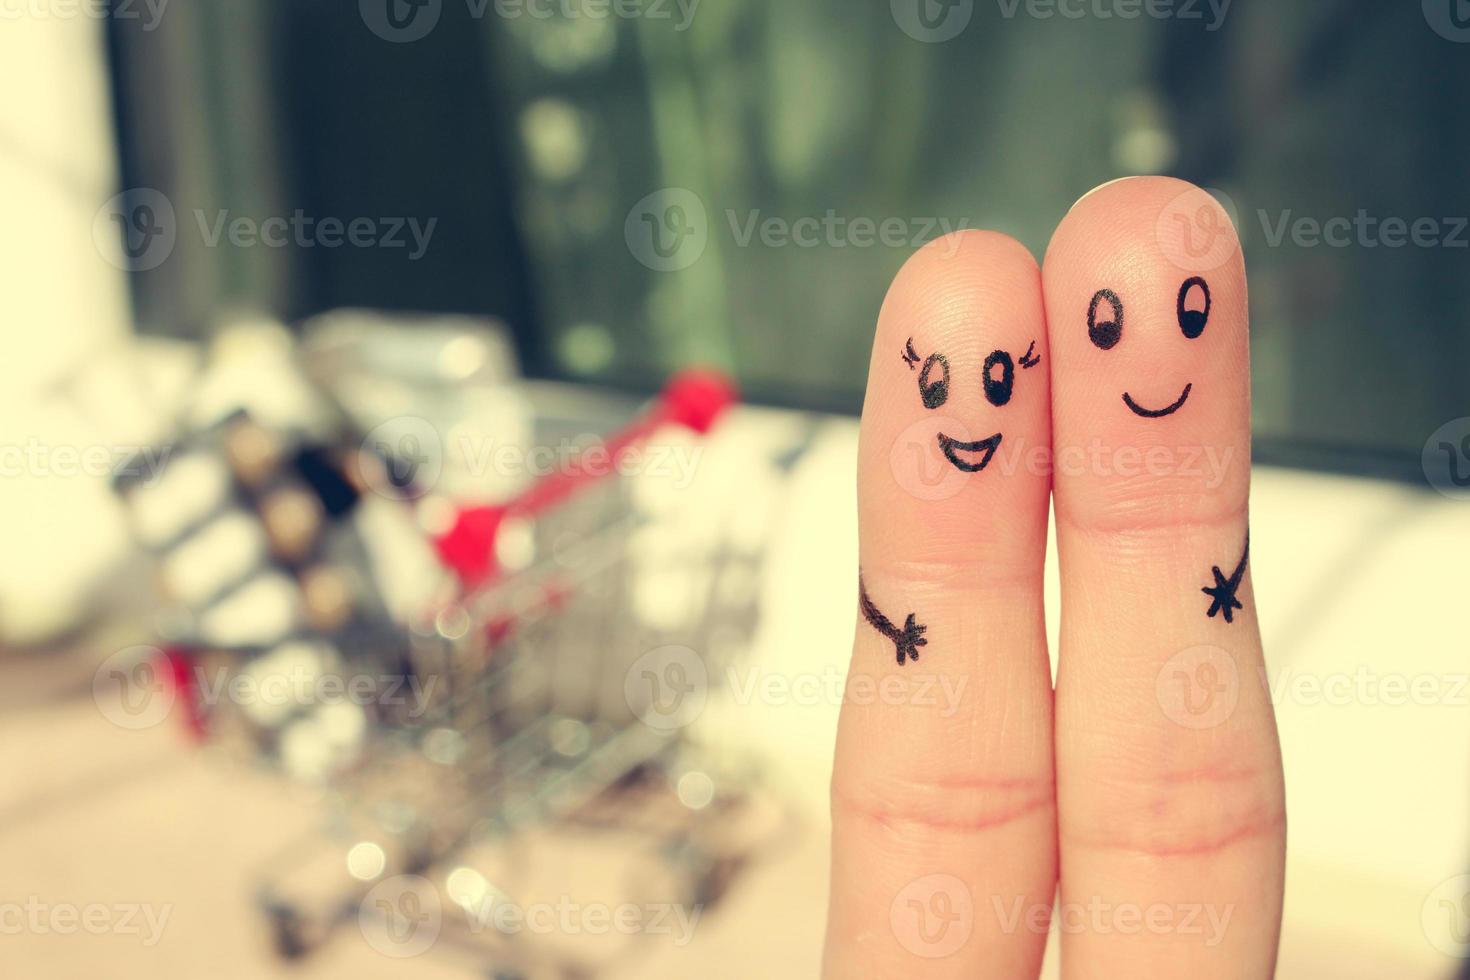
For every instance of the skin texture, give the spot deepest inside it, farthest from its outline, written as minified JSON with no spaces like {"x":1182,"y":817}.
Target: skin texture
{"x":1149,"y":786}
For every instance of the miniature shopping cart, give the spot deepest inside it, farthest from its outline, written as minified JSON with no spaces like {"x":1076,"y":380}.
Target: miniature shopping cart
{"x":563,"y":678}
{"x":549,"y":692}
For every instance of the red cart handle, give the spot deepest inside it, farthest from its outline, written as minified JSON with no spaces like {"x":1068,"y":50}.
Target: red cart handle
{"x":693,"y":399}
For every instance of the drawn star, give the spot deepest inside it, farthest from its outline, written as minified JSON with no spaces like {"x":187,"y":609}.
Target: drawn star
{"x":906,"y":641}
{"x":1224,"y":589}
{"x":910,"y":640}
{"x":1223,"y":593}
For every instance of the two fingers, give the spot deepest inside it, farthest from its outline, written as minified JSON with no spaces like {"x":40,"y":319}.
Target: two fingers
{"x":1115,"y":385}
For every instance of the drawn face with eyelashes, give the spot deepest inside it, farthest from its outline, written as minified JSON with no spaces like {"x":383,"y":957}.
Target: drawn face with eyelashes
{"x":997,"y":381}
{"x":1105,"y":329}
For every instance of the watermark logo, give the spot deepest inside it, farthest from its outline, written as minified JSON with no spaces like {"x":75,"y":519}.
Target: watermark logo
{"x":917,"y":461}
{"x":1363,"y":230}
{"x":136,"y":230}
{"x":1102,"y":918}
{"x":943,"y":693}
{"x":401,"y":916}
{"x":667,"y":688}
{"x":1446,"y":917}
{"x":131,"y":689}
{"x":402,"y":458}
{"x":141,"y":464}
{"x":1198,"y":688}
{"x":1211,"y":13}
{"x":406,"y":456}
{"x":933,"y":917}
{"x":1447,"y":459}
{"x":668,"y":230}
{"x":149,"y":12}
{"x":932,"y":21}
{"x":919,"y":466}
{"x":401,"y":21}
{"x":1450,"y":19}
{"x":41,"y":918}
{"x":1196,"y":230}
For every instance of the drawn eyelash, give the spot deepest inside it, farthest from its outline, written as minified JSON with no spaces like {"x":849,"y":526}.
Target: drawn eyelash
{"x":910,"y":356}
{"x":1030,"y":359}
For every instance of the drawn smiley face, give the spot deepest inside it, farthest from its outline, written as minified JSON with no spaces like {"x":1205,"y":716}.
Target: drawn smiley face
{"x":1105,"y":329}
{"x":998,"y":380}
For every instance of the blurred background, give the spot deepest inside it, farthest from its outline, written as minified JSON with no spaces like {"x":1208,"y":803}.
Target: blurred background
{"x":386,"y":595}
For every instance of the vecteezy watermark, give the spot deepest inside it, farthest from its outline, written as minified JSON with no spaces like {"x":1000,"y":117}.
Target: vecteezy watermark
{"x":1102,"y":918}
{"x":1200,"y":688}
{"x":136,"y":688}
{"x":143,"y":464}
{"x":933,"y":916}
{"x":937,"y":21}
{"x":403,"y":916}
{"x":669,"y":688}
{"x":304,"y":231}
{"x":150,"y":12}
{"x":917,"y":460}
{"x":136,"y":230}
{"x":681,"y":12}
{"x":568,"y":917}
{"x":412,"y":457}
{"x":1366,"y":686}
{"x":1447,"y":459}
{"x":132,"y":689}
{"x":670,"y":230}
{"x":41,"y":918}
{"x":756,"y":685}
{"x":1445,"y":917}
{"x":1197,"y":229}
{"x":139,"y":229}
{"x":1211,"y":13}
{"x":932,"y":21}
{"x":1363,"y":230}
{"x":405,"y":21}
{"x":1450,"y":19}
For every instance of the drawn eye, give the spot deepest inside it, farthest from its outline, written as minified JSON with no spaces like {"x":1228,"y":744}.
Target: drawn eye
{"x":998,"y":390}
{"x":1193,"y":322}
{"x":934,"y":392}
{"x":1107,"y":333}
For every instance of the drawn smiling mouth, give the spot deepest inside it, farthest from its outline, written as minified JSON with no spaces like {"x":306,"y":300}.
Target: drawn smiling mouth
{"x":952,"y":449}
{"x":1150,"y":413}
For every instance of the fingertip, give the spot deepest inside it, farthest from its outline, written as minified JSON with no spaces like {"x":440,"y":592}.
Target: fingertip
{"x":957,"y":406}
{"x":1146,"y":307}
{"x":945,"y":279}
{"x":1156,"y":219}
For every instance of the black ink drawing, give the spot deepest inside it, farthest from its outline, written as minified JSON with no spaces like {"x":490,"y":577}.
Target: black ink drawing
{"x":1192,"y":322}
{"x":1224,"y":590}
{"x":1157,"y":413}
{"x":906,"y":640}
{"x":934,"y":392}
{"x":998,"y":390}
{"x":1105,"y":334}
{"x":985,"y":447}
